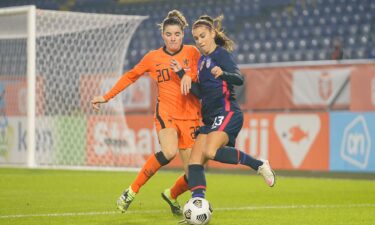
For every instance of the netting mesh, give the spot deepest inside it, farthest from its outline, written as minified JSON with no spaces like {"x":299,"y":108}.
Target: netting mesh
{"x":75,"y":54}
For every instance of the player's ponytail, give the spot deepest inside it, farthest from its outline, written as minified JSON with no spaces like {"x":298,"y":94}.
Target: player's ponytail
{"x":221,"y":38}
{"x":174,"y":17}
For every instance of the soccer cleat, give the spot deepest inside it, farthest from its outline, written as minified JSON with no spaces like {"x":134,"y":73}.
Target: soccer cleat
{"x":125,"y":199}
{"x":182,"y":221}
{"x":267,"y":173}
{"x":175,"y":207}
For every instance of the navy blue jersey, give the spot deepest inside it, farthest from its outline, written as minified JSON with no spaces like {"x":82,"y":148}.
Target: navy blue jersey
{"x":217,"y":94}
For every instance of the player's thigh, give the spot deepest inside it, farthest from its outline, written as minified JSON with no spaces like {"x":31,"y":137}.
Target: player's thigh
{"x":168,"y":140}
{"x":197,"y":153}
{"x":215,"y":140}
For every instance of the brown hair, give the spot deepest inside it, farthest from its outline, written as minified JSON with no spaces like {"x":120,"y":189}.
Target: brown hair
{"x":174,"y":17}
{"x":221,"y":38}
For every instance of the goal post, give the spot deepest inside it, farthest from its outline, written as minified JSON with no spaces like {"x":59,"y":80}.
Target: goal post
{"x":31,"y":82}
{"x":51,"y":64}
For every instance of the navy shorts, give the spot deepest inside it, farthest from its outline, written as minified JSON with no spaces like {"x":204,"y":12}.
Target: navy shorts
{"x":230,"y":122}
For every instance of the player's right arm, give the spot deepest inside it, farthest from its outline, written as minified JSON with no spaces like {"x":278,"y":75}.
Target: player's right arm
{"x":127,"y":79}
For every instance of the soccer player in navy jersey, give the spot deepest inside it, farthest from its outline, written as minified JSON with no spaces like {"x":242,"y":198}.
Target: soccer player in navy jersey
{"x":222,"y":116}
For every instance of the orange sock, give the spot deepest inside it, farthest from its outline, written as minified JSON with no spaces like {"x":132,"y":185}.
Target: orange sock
{"x":148,"y":170}
{"x":179,"y":187}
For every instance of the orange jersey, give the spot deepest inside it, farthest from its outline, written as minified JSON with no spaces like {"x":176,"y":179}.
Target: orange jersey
{"x":157,"y":64}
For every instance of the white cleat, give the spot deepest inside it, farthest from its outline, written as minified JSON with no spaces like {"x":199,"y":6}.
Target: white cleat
{"x":267,"y":173}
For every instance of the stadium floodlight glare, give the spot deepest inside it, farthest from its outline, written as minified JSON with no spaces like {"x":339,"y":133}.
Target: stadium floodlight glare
{"x":51,"y":64}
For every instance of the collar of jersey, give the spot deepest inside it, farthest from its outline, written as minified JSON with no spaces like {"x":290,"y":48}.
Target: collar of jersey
{"x":214,"y":51}
{"x":166,"y":52}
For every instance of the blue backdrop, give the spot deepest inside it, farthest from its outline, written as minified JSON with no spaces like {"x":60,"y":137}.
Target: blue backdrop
{"x":352,"y":141}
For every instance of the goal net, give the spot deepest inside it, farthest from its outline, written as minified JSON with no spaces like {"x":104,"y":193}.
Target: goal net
{"x":51,"y":64}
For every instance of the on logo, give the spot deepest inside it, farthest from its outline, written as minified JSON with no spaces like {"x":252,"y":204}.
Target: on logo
{"x":356,"y":143}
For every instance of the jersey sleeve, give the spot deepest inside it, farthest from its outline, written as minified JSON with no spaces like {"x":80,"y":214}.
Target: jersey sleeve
{"x":231,"y":72}
{"x":129,"y":77}
{"x":194,"y":57}
{"x":226,"y":62}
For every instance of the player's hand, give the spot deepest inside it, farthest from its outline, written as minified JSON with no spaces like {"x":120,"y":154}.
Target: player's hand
{"x":216,"y":71}
{"x":95,"y":102}
{"x":175,"y":65}
{"x":185,"y":84}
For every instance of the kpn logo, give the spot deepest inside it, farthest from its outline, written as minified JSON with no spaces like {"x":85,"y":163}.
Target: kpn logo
{"x":6,"y":139}
{"x":356,"y":143}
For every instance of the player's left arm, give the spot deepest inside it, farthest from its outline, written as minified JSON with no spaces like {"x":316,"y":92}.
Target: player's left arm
{"x":188,"y":77}
{"x":194,"y":59}
{"x":193,"y":73}
{"x":188,"y":86}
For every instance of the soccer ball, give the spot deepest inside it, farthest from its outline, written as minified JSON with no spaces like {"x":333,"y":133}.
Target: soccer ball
{"x":197,"y":211}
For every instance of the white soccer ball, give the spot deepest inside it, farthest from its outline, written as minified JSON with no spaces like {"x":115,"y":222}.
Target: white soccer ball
{"x":197,"y":211}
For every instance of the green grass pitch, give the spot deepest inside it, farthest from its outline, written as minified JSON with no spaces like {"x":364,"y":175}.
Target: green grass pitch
{"x":39,"y":197}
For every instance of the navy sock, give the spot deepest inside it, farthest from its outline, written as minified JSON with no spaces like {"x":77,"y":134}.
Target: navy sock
{"x":197,"y":181}
{"x":231,"y":155}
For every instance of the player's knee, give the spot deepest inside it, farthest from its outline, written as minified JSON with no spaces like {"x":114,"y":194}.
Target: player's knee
{"x":210,"y":152}
{"x":162,"y":158}
{"x":195,"y":159}
{"x":169,"y":153}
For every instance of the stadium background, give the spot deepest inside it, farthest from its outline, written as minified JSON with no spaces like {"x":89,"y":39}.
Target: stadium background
{"x":304,"y":111}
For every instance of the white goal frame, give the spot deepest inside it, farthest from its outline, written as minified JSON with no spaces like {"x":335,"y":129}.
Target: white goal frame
{"x":31,"y":40}
{"x":31,"y":78}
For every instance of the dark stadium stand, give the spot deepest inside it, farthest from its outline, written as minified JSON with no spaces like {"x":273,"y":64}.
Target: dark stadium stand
{"x":264,"y":30}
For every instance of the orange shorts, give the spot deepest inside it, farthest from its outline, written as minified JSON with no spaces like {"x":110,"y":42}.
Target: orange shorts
{"x":185,"y":129}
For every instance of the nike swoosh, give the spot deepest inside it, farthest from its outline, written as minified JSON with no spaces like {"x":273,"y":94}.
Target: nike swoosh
{"x":158,"y":64}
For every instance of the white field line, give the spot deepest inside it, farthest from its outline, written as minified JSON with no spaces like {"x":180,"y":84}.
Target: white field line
{"x":245,"y":208}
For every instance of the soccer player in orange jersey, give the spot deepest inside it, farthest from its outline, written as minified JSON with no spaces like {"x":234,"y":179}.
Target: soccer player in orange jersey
{"x":177,"y":113}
